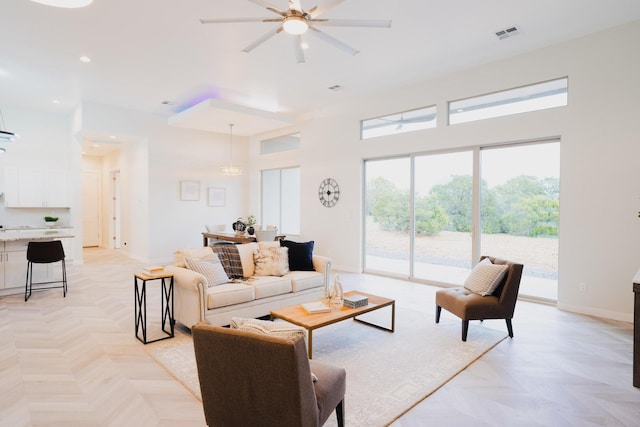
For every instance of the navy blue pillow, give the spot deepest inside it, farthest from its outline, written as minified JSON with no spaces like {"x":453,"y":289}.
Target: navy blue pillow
{"x":300,"y":255}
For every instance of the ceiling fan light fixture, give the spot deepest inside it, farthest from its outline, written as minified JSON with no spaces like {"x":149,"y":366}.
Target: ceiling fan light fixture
{"x":295,"y":25}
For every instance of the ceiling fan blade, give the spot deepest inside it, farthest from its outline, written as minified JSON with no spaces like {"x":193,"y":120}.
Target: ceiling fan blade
{"x":376,"y":23}
{"x":262,"y":39}
{"x":268,"y":6}
{"x":297,"y":47}
{"x":295,"y":4}
{"x":319,"y":10}
{"x":333,"y":41}
{"x":233,"y":20}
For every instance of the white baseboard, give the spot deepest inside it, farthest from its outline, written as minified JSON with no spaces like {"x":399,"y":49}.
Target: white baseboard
{"x":590,"y":311}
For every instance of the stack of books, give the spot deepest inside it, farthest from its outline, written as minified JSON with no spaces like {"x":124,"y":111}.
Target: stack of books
{"x":316,"y":307}
{"x":355,"y":301}
{"x":152,"y":270}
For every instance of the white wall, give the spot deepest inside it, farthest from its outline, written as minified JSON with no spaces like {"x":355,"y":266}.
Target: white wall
{"x":155,"y":222}
{"x":600,"y":196}
{"x":45,"y":141}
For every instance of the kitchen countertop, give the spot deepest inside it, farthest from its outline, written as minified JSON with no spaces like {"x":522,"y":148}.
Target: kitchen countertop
{"x":11,"y":235}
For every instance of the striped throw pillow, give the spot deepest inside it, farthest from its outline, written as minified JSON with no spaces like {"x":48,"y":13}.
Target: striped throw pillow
{"x":485,"y":277}
{"x":210,"y":267}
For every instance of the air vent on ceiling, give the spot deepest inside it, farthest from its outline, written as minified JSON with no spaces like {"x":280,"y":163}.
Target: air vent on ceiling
{"x":507,"y":33}
{"x":335,"y":88}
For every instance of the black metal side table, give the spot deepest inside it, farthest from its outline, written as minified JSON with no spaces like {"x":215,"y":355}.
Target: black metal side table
{"x":166,"y":304}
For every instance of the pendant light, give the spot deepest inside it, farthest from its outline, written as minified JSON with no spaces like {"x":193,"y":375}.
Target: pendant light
{"x":230,"y":169}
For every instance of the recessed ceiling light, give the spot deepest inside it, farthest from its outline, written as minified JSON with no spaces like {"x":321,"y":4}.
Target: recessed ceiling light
{"x":55,"y":101}
{"x":94,"y":145}
{"x":113,"y":137}
{"x":65,"y":3}
{"x":85,"y":58}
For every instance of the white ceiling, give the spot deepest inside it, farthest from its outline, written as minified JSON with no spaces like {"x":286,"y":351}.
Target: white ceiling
{"x":145,"y":52}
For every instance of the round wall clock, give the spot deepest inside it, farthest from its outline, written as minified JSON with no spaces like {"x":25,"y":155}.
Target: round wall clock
{"x":329,"y":192}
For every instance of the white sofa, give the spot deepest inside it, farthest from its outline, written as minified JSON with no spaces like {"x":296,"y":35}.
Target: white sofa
{"x":195,"y":301}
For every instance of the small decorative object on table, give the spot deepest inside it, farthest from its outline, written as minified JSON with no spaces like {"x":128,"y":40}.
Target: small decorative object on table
{"x":316,"y":307}
{"x":251,"y":221}
{"x":239,"y":227}
{"x":355,"y":301}
{"x":336,"y":296}
{"x":152,"y":270}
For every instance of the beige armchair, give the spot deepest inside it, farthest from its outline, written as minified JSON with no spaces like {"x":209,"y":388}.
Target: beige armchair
{"x":470,"y":306}
{"x":249,"y":379}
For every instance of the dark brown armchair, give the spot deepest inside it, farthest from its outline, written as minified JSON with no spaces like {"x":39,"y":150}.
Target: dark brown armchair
{"x":249,"y":379}
{"x":470,"y":306}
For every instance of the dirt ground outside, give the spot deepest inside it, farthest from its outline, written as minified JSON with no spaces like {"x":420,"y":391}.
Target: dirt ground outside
{"x":539,"y":255}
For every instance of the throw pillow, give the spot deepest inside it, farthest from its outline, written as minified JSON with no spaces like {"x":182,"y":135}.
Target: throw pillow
{"x":271,"y":262}
{"x":265,"y":327}
{"x":269,"y":244}
{"x":485,"y":277}
{"x":230,"y":259}
{"x":210,"y":267}
{"x":300,"y":255}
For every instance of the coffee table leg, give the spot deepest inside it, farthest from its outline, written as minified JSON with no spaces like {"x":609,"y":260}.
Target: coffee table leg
{"x":310,"y":342}
{"x":393,"y":320}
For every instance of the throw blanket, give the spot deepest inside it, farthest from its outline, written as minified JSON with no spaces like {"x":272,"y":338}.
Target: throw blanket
{"x":230,"y":259}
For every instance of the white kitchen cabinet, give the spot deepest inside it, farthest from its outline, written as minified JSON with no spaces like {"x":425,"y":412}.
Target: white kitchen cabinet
{"x":13,"y":266}
{"x":36,"y":188}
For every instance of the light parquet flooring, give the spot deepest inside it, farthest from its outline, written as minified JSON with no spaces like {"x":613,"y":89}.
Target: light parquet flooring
{"x":75,"y":361}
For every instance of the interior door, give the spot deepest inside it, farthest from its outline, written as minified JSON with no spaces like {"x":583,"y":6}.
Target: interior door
{"x":115,"y":208}
{"x":90,"y":209}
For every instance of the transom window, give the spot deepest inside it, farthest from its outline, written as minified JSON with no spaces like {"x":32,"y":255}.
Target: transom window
{"x":539,"y":96}
{"x":280,"y":143}
{"x":406,"y":121}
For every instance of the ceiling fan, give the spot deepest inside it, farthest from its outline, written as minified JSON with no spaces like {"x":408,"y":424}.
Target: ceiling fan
{"x":296,"y":21}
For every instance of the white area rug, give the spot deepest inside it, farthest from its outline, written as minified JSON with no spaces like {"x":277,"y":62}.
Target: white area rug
{"x":387,"y":373}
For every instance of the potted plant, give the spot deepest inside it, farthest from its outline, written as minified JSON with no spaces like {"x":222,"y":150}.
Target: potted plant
{"x":51,"y":220}
{"x":251,"y":221}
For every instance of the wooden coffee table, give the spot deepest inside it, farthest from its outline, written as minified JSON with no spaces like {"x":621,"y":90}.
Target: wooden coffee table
{"x":298,"y":316}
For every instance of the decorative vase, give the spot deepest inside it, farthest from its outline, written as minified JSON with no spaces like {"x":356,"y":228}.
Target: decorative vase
{"x":336,"y":296}
{"x":239,"y":227}
{"x":251,"y":230}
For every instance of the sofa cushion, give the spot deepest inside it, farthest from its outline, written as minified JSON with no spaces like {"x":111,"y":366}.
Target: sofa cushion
{"x":485,"y":277}
{"x":300,"y":254}
{"x":268,"y":286}
{"x":271,"y":262}
{"x":265,"y":327}
{"x":229,"y":294}
{"x":302,"y":280}
{"x":181,"y":254}
{"x":210,"y":267}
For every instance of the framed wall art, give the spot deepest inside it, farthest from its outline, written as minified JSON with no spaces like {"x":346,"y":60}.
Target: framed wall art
{"x":216,"y":196}
{"x":190,"y":190}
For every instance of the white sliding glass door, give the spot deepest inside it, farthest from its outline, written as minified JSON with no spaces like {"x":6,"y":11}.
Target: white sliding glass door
{"x":443,"y":195}
{"x":521,"y":210}
{"x":388,"y":216}
{"x":420,"y":220}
